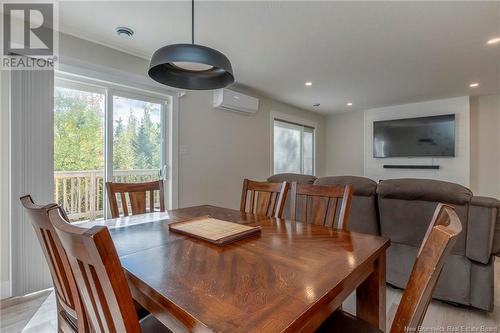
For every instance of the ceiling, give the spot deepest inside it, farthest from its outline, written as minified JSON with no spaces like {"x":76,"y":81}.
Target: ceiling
{"x":369,"y":53}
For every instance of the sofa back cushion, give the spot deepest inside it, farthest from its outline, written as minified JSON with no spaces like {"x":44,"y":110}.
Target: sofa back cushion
{"x":291,"y":177}
{"x":363,"y":217}
{"x":425,"y":190}
{"x":406,"y":207}
{"x":362,"y":186}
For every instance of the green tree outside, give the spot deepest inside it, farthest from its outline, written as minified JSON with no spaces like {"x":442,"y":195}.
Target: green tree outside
{"x":79,"y":135}
{"x":78,"y":131}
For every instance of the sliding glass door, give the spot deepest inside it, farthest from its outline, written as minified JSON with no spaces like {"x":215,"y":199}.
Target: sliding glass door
{"x":103,"y":134}
{"x":79,"y":136}
{"x":138,"y":151}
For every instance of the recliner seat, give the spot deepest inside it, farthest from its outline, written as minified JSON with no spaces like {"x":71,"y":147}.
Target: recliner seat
{"x":400,"y":210}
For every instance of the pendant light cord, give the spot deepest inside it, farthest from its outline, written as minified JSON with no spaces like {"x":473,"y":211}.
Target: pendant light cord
{"x":192,"y":21}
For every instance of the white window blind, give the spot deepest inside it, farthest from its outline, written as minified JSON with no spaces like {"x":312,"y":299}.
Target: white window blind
{"x":293,"y":148}
{"x":31,"y":171}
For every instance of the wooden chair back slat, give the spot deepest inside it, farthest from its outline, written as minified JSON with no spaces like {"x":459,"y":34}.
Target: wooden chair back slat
{"x":303,"y":204}
{"x":319,"y":204}
{"x":272,"y":204}
{"x":138,"y":202}
{"x":345,"y":208}
{"x":318,"y":209}
{"x":99,"y":276}
{"x":331,"y":214}
{"x":64,"y":283}
{"x":437,"y":244}
{"x":137,"y":197}
{"x":151,"y":200}
{"x":265,"y":198}
{"x":252,"y":201}
{"x":262,"y":207}
{"x":63,"y":290}
{"x":124,"y":204}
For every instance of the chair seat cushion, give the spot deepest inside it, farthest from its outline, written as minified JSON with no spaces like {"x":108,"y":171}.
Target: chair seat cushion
{"x":343,"y":322}
{"x":150,"y":324}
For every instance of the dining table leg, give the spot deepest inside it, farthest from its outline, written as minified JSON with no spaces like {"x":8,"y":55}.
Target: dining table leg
{"x":371,"y":294}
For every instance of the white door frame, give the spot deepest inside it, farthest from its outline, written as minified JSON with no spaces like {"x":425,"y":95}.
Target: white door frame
{"x":274,"y":115}
{"x":170,"y":110}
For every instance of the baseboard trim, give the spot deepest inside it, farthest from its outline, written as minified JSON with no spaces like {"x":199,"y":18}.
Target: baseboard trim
{"x":10,"y":301}
{"x":5,"y":291}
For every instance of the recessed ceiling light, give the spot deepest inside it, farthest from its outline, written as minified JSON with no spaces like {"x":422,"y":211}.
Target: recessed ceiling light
{"x":494,"y":41}
{"x":474,"y":85}
{"x":124,"y":32}
{"x":308,"y":83}
{"x":349,"y":104}
{"x":316,"y":105}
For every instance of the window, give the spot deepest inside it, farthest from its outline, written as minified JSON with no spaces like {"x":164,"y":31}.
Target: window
{"x":79,"y":150}
{"x":137,"y":127}
{"x":101,"y":134}
{"x":293,"y":148}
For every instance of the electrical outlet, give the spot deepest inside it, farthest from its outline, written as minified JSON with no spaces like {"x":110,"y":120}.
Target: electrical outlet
{"x":183,"y":149}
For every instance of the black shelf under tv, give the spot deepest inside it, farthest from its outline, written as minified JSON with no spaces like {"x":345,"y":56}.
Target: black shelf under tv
{"x":427,"y":167}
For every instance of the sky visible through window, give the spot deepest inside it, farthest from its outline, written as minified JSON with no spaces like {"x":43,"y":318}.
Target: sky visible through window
{"x":293,"y":148}
{"x":122,"y":107}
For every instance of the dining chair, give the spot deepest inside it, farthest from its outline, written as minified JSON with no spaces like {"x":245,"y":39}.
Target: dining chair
{"x":100,"y":278}
{"x":70,"y":315}
{"x":265,"y":198}
{"x":137,"y":197}
{"x":436,"y":245}
{"x":321,"y":204}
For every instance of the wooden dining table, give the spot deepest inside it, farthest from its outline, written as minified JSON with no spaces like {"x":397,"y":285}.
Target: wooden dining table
{"x":289,"y":278}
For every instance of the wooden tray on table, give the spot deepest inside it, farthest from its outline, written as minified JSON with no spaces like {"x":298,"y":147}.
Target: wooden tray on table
{"x":214,"y":230}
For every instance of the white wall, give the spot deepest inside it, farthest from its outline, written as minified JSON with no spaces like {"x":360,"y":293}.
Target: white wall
{"x":485,"y":145}
{"x":344,"y":144}
{"x":220,"y":148}
{"x":99,"y":62}
{"x":454,"y":169}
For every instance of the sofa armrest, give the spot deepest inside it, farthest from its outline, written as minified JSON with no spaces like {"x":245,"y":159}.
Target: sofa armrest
{"x":485,"y":202}
{"x":496,"y":238}
{"x":482,"y":238}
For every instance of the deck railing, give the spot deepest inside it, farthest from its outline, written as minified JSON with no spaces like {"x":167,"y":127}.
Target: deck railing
{"x":81,"y":193}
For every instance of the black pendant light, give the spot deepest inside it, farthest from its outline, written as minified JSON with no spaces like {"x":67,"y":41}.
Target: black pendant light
{"x":191,"y":66}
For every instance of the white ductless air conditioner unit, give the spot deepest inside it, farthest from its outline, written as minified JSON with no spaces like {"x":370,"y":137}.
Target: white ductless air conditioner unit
{"x":226,"y":99}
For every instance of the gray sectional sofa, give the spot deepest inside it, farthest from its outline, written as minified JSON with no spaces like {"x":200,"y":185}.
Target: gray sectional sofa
{"x":401,"y":209}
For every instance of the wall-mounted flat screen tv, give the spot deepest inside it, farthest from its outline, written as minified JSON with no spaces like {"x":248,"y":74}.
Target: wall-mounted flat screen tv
{"x":415,"y":137}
